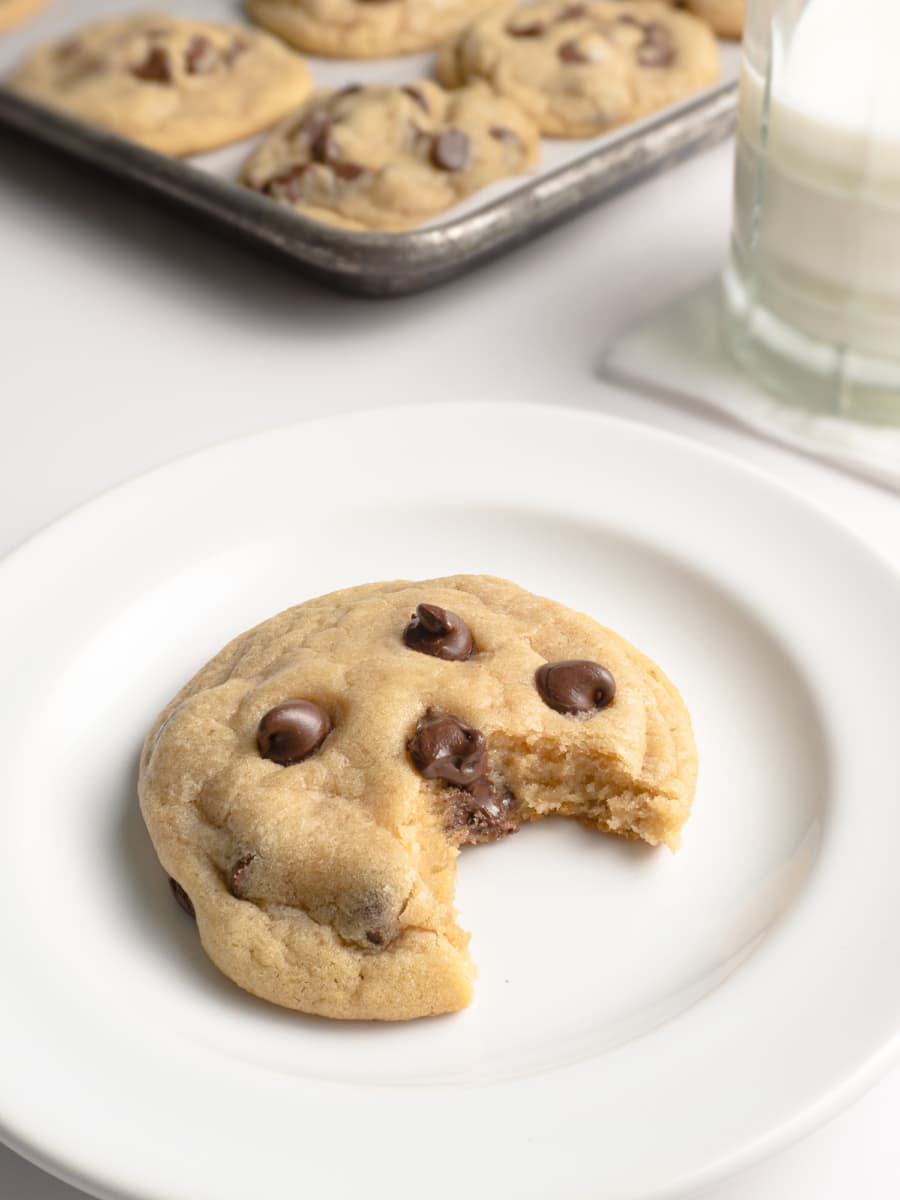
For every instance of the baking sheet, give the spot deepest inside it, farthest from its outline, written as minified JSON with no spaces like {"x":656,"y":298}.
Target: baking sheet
{"x":572,"y":175}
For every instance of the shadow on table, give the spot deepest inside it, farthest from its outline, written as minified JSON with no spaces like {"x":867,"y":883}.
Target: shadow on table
{"x":152,"y":237}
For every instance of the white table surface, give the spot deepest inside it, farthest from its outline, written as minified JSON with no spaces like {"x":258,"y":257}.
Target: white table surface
{"x":131,"y":336}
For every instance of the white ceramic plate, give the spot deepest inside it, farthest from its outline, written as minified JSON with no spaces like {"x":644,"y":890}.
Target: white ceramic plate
{"x":643,"y":1022}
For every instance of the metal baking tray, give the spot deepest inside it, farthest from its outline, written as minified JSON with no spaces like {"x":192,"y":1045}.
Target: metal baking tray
{"x":574,"y":175}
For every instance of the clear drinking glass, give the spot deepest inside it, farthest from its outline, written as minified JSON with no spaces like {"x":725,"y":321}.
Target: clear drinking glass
{"x":813,"y":284}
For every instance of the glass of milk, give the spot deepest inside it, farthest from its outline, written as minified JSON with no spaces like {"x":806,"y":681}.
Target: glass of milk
{"x":813,"y":284}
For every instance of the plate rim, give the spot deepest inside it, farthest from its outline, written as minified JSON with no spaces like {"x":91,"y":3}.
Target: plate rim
{"x":725,"y":458}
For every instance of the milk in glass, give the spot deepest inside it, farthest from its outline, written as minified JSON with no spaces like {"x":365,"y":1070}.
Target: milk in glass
{"x":813,"y":286}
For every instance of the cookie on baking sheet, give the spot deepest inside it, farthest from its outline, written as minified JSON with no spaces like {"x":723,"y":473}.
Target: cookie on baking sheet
{"x":725,"y":16}
{"x":388,"y":157}
{"x":177,"y":86}
{"x":308,"y":791}
{"x":14,"y":12}
{"x":365,"y":28}
{"x":580,"y":69}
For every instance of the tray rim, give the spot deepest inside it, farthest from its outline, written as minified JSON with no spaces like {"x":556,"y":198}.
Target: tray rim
{"x":386,"y":264}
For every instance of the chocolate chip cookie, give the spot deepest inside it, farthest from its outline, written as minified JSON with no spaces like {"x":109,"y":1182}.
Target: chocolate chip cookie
{"x":390,"y":157}
{"x":14,"y":12}
{"x":177,"y":86}
{"x":580,"y":69}
{"x":365,"y":28}
{"x":725,"y":16}
{"x":309,"y":790}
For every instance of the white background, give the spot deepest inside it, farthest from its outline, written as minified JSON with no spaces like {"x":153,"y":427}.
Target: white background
{"x":130,"y":336}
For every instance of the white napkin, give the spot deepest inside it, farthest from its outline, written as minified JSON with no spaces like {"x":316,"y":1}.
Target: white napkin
{"x":680,"y":354}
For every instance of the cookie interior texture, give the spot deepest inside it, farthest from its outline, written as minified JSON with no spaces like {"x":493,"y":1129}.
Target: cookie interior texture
{"x":327,"y":885}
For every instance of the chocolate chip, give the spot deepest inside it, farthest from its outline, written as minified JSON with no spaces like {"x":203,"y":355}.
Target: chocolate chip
{"x":238,"y":47}
{"x":313,"y":124}
{"x":416,"y":94}
{"x":571,"y":52}
{"x":68,"y":49}
{"x":442,"y":634}
{"x":292,"y":731}
{"x":156,"y":67}
{"x":375,"y":937}
{"x":324,"y":148}
{"x":237,"y":876}
{"x":288,"y":185}
{"x":201,"y":56}
{"x":182,"y":897}
{"x":575,"y":685}
{"x":445,"y":747}
{"x":657,"y":48}
{"x":574,"y":12}
{"x":348,"y":170}
{"x":482,"y":813}
{"x":508,"y":136}
{"x":531,"y":29}
{"x":450,"y":150}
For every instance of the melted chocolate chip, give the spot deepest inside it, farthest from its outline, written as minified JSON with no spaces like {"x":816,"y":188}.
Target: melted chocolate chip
{"x":292,"y":731}
{"x":156,"y":67}
{"x":201,"y":56}
{"x":657,"y":49}
{"x":324,"y":148}
{"x":482,"y":813}
{"x":182,"y":897}
{"x":348,"y":171}
{"x":68,"y":49}
{"x":571,"y":52}
{"x":288,"y":185}
{"x":450,"y":150}
{"x":574,"y":12}
{"x":313,"y":124}
{"x":575,"y":686}
{"x":442,"y":634}
{"x":238,"y":47}
{"x":417,"y":95}
{"x":445,"y":747}
{"x":237,"y":876}
{"x":531,"y":29}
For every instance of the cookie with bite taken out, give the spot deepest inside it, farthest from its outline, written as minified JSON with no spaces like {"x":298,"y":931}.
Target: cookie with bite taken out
{"x":310,"y":789}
